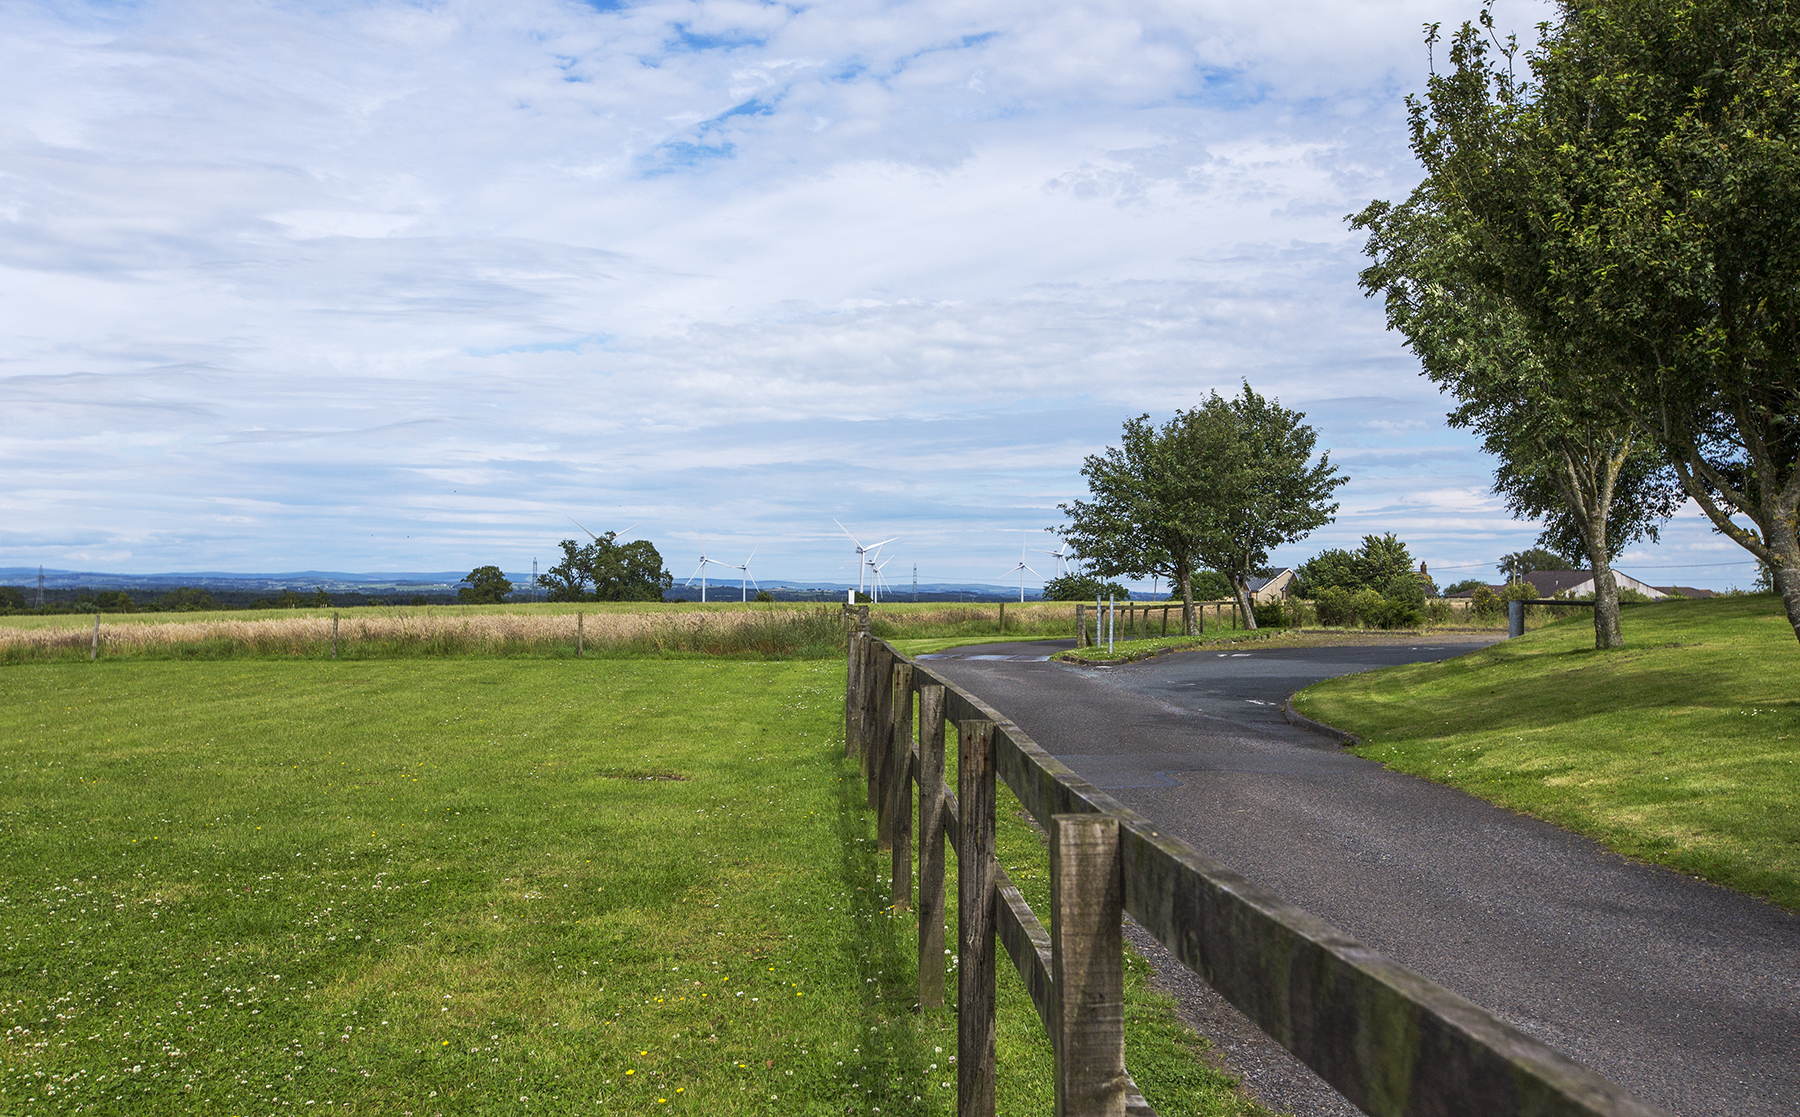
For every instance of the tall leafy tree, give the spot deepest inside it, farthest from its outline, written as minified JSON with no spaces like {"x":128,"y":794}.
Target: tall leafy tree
{"x":484,"y":585}
{"x":1568,"y":453}
{"x":605,"y":570}
{"x":1636,"y":203}
{"x":1217,"y":486}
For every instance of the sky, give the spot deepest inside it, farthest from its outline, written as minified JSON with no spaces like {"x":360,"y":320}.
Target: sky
{"x":414,"y":286}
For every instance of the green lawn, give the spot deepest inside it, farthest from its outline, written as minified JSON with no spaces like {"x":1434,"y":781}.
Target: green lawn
{"x":1682,"y":748}
{"x":470,"y":885}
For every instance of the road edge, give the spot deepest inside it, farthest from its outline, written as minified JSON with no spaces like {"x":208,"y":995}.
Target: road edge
{"x":1301,"y":721}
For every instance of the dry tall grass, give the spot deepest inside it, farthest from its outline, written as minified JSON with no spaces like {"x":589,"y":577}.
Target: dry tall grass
{"x":788,"y":632}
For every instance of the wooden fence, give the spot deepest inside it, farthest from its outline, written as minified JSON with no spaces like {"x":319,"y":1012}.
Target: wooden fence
{"x":1132,"y":619}
{"x":1389,"y":1040}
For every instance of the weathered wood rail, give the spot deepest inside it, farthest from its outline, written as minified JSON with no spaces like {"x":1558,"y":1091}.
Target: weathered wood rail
{"x":1386,"y":1038}
{"x":1130,"y":620}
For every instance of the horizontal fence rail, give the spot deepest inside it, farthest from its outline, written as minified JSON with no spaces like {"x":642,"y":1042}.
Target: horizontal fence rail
{"x":1394,"y":1043}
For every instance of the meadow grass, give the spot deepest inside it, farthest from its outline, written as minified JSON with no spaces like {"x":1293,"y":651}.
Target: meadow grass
{"x":806,"y":632}
{"x":1682,"y":748}
{"x":470,"y":886}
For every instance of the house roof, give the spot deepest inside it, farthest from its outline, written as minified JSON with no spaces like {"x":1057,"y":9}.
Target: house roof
{"x":1687,"y":591}
{"x":1549,"y":583}
{"x":1254,"y":583}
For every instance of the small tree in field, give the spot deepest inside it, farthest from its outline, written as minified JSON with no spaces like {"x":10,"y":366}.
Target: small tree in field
{"x":486,"y":585}
{"x":1217,"y":486}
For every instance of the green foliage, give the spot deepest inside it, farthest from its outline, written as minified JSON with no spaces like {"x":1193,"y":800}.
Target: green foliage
{"x":764,"y":595}
{"x":1465,"y":584}
{"x":1376,"y":564}
{"x":1407,"y":588}
{"x":321,"y":599}
{"x":1210,"y":585}
{"x":1271,"y":615}
{"x":114,"y":601}
{"x":1217,"y":486}
{"x":1486,"y":604}
{"x":1083,"y":587}
{"x":605,"y":570}
{"x":1520,"y":563}
{"x":486,"y":585}
{"x":1629,"y":216}
{"x":185,"y":599}
{"x":12,"y":597}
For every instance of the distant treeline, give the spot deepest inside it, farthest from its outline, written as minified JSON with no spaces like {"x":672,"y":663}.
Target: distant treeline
{"x":187,"y":599}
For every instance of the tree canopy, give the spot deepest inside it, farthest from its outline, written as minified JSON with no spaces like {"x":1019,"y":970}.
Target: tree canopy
{"x":1216,"y":486}
{"x":1375,"y":565}
{"x":1634,"y":206}
{"x":605,"y":570}
{"x":485,"y":585}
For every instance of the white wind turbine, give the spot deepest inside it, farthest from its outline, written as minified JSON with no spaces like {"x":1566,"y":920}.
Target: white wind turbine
{"x":1020,"y":571}
{"x":862,"y":553}
{"x":1061,"y":555}
{"x":700,"y":571}
{"x":615,"y":535}
{"x":744,"y":576}
{"x":875,"y":578}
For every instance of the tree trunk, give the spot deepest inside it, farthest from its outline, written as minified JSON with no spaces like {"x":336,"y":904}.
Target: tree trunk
{"x":1242,"y":589}
{"x":1786,"y":572}
{"x":1606,"y":599}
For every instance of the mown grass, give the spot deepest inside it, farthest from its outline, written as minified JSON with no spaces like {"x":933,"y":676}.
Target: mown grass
{"x":468,"y":886}
{"x":1682,"y":748}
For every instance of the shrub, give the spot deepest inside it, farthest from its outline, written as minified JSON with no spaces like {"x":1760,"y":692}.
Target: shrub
{"x":1367,"y":607}
{"x":1334,"y":607}
{"x":1271,"y":615}
{"x":1438,"y":611}
{"x":1486,"y":604}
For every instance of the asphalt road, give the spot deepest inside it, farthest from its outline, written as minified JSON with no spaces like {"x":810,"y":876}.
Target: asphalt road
{"x":1685,"y":993}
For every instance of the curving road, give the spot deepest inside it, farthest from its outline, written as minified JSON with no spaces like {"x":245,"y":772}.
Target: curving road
{"x":1685,"y":993}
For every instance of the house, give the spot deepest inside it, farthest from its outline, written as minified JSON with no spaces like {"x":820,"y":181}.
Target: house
{"x":1580,"y":583}
{"x":1686,"y":591}
{"x":1278,"y":586}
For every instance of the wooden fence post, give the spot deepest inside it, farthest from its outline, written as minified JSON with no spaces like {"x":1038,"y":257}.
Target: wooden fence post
{"x":334,"y":620}
{"x":1080,"y":625}
{"x":865,"y":715}
{"x":1003,"y":618}
{"x":578,"y":635}
{"x":879,"y":738}
{"x":94,"y":651}
{"x":931,"y":846}
{"x":853,"y":684}
{"x":899,"y":788}
{"x":975,"y":896}
{"x":1087,"y":966}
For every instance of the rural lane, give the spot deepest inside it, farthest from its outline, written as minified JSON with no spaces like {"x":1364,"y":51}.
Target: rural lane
{"x":1685,"y":993}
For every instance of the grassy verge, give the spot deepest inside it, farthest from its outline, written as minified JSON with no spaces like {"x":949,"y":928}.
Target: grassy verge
{"x":1682,"y":748}
{"x":1128,"y":651}
{"x":466,"y":886}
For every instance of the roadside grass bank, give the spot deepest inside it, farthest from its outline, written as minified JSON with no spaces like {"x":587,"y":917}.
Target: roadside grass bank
{"x":1683,"y":748}
{"x":807,"y":632}
{"x":464,"y":886}
{"x":1130,"y":651}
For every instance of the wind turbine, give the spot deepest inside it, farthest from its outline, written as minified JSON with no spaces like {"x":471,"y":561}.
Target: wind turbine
{"x":875,"y":579}
{"x":744,"y":571}
{"x":1061,"y":555}
{"x":1020,"y":571}
{"x":596,"y":538}
{"x":862,"y":553}
{"x":700,"y":571}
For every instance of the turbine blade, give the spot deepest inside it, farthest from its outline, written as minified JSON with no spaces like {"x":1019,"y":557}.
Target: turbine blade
{"x":591,"y":535}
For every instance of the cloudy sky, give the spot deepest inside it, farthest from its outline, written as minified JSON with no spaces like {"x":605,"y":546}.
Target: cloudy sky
{"x":386,"y":286}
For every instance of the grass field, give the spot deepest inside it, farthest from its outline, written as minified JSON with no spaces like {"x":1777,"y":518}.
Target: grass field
{"x":1682,"y":748}
{"x":471,"y":885}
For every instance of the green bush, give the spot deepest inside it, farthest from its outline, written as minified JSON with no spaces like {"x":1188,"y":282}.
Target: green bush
{"x":1334,"y":607}
{"x":1486,"y":604}
{"x":1438,"y":611}
{"x":1271,"y":615}
{"x":1367,"y":607}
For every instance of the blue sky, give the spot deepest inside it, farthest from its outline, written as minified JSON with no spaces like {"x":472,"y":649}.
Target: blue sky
{"x":373,"y":286}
